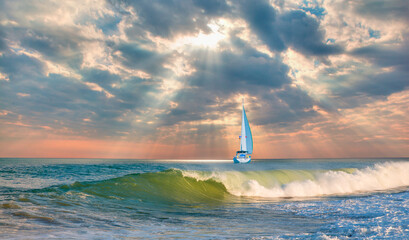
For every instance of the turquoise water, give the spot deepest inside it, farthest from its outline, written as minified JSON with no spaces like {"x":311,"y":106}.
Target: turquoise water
{"x":191,"y":199}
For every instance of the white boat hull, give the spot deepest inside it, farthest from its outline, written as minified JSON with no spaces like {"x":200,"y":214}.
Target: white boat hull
{"x":241,"y":159}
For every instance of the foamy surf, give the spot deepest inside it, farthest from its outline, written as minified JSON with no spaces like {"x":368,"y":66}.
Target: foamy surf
{"x":310,"y":183}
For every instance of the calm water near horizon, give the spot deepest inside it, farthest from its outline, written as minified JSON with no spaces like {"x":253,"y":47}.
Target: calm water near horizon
{"x":207,"y":199}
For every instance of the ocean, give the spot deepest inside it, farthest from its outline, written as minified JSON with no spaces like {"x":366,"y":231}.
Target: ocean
{"x":204,"y":199}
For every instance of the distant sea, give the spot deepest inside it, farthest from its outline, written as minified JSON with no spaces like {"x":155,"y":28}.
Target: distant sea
{"x":204,"y":199}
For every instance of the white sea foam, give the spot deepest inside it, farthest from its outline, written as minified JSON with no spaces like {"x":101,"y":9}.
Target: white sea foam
{"x":303,"y":183}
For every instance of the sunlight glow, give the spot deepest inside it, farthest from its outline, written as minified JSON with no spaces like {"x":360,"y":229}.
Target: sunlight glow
{"x":210,"y":40}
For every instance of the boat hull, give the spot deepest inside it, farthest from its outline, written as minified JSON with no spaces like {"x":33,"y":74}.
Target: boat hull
{"x":240,"y":159}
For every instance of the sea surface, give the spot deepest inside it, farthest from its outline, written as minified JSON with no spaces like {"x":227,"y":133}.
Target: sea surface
{"x":204,"y":199}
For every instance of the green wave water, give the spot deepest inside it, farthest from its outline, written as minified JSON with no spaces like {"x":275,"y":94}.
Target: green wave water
{"x":169,"y":186}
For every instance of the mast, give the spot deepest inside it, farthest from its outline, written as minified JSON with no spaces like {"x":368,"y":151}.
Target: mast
{"x":243,"y":142}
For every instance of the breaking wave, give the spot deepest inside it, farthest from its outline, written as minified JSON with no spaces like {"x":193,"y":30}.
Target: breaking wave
{"x":311,"y":183}
{"x":187,"y":186}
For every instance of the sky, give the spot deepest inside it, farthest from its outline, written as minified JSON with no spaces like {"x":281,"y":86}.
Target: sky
{"x":165,"y":79}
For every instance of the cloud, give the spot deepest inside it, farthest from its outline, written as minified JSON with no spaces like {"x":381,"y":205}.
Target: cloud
{"x":383,"y":56}
{"x":386,"y":73}
{"x":135,"y":57}
{"x":261,"y":17}
{"x":212,"y":7}
{"x":285,"y":108}
{"x":20,"y":67}
{"x":3,"y":45}
{"x":382,"y":9}
{"x":236,"y":73}
{"x":288,"y":29}
{"x":59,"y":46}
{"x":395,"y":61}
{"x":168,"y":19}
{"x":373,"y":85}
{"x":303,"y":33}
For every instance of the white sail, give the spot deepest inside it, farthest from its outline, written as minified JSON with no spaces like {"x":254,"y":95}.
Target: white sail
{"x":246,"y":143}
{"x":249,"y":138}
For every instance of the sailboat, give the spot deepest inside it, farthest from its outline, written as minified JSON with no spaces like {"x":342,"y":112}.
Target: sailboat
{"x":246,"y":141}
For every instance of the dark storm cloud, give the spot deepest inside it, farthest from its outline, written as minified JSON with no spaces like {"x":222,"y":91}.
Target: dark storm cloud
{"x":136,"y":57}
{"x":289,"y":29}
{"x":397,"y":57}
{"x":284,"y":107}
{"x":3,"y":45}
{"x":377,"y":84}
{"x":19,"y":67}
{"x":239,"y":73}
{"x":193,"y":104}
{"x":303,"y":33}
{"x":167,"y":18}
{"x":212,"y":7}
{"x":262,"y":17}
{"x":129,"y":94}
{"x":383,"y":9}
{"x":370,"y":85}
{"x":103,"y":78}
{"x":383,"y":84}
{"x":268,"y":72}
{"x":136,"y":92}
{"x":60,"y":46}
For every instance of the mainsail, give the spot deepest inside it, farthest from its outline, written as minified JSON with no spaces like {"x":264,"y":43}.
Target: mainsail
{"x":246,"y":143}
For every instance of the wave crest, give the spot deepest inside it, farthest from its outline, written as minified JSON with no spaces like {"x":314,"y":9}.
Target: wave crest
{"x":311,"y":183}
